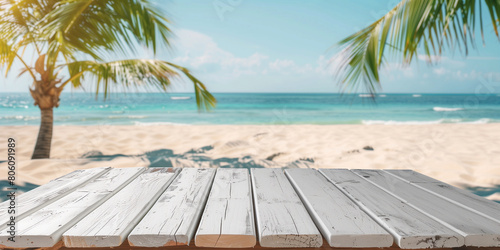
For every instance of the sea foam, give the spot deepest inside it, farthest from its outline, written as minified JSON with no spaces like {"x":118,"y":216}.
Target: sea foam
{"x":440,"y":121}
{"x":442,"y":109}
{"x":392,"y":122}
{"x":160,"y":123}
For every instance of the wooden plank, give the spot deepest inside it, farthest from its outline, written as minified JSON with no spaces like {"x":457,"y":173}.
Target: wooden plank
{"x":460,"y":197}
{"x":44,"y":195}
{"x":476,"y":229}
{"x":228,"y":219}
{"x":282,"y":219}
{"x":325,"y":246}
{"x":109,"y":224}
{"x":174,"y":217}
{"x":412,"y":176}
{"x":45,"y":227}
{"x":340,"y":220}
{"x":410,"y":228}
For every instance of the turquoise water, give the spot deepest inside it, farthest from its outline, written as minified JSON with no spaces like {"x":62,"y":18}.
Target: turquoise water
{"x":159,"y":108}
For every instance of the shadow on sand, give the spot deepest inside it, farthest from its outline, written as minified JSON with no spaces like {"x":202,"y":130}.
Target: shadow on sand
{"x":167,"y":158}
{"x":192,"y":158}
{"x":199,"y":158}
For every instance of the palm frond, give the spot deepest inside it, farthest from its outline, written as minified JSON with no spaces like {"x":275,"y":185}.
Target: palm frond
{"x":96,"y":27}
{"x":80,"y":35}
{"x":204,"y":99}
{"x":7,"y":57}
{"x":135,"y":73}
{"x":410,"y":28}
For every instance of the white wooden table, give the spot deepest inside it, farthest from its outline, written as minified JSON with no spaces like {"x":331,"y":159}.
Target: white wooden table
{"x":138,"y":208}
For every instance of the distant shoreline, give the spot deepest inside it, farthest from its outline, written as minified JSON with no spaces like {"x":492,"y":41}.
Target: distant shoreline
{"x":264,"y":109}
{"x":368,"y":123}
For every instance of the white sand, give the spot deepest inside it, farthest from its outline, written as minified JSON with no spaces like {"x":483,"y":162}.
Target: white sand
{"x":459,"y":154}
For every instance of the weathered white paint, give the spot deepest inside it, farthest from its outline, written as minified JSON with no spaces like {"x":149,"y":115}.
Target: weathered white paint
{"x":44,"y":195}
{"x":174,"y":217}
{"x":460,"y":197}
{"x":109,"y":224}
{"x":340,"y":220}
{"x":410,"y":227}
{"x":45,"y":227}
{"x":476,"y":229}
{"x":412,"y":176}
{"x":228,"y":220}
{"x":282,"y":219}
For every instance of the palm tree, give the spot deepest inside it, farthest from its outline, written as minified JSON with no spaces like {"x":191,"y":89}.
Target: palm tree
{"x":73,"y":39}
{"x":412,"y":27}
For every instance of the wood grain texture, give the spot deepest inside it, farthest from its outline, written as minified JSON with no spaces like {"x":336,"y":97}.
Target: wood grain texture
{"x":109,"y":224}
{"x":476,"y":229}
{"x":410,"y":227}
{"x":228,"y":220}
{"x":282,"y":219}
{"x":45,"y":227}
{"x":340,"y":220}
{"x":412,"y":176}
{"x":174,"y":217}
{"x":460,"y":197}
{"x":325,"y":246}
{"x":44,"y":195}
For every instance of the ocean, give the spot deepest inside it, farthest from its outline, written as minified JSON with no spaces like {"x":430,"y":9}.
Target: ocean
{"x":253,"y":108}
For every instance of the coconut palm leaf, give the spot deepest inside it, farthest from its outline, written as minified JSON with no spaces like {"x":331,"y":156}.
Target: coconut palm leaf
{"x":78,"y":37}
{"x":66,"y":31}
{"x":98,"y":27}
{"x":135,"y":73}
{"x":412,"y":27}
{"x":7,"y":57}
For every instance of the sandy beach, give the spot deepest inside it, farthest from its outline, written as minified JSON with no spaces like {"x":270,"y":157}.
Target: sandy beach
{"x":464,"y":155}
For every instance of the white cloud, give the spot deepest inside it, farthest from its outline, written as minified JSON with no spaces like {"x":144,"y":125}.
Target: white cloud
{"x":457,"y":70}
{"x":440,"y":71}
{"x":327,"y":66}
{"x":475,"y":75}
{"x":431,"y":58}
{"x":436,"y":59}
{"x":396,"y":71}
{"x":254,"y":60}
{"x":225,"y":71}
{"x":483,"y":58}
{"x":281,"y":64}
{"x":198,"y":50}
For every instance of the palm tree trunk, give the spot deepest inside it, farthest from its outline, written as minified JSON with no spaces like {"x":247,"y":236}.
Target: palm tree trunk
{"x":43,"y":142}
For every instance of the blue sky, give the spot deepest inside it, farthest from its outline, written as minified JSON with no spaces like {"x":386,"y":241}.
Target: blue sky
{"x":283,"y":46}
